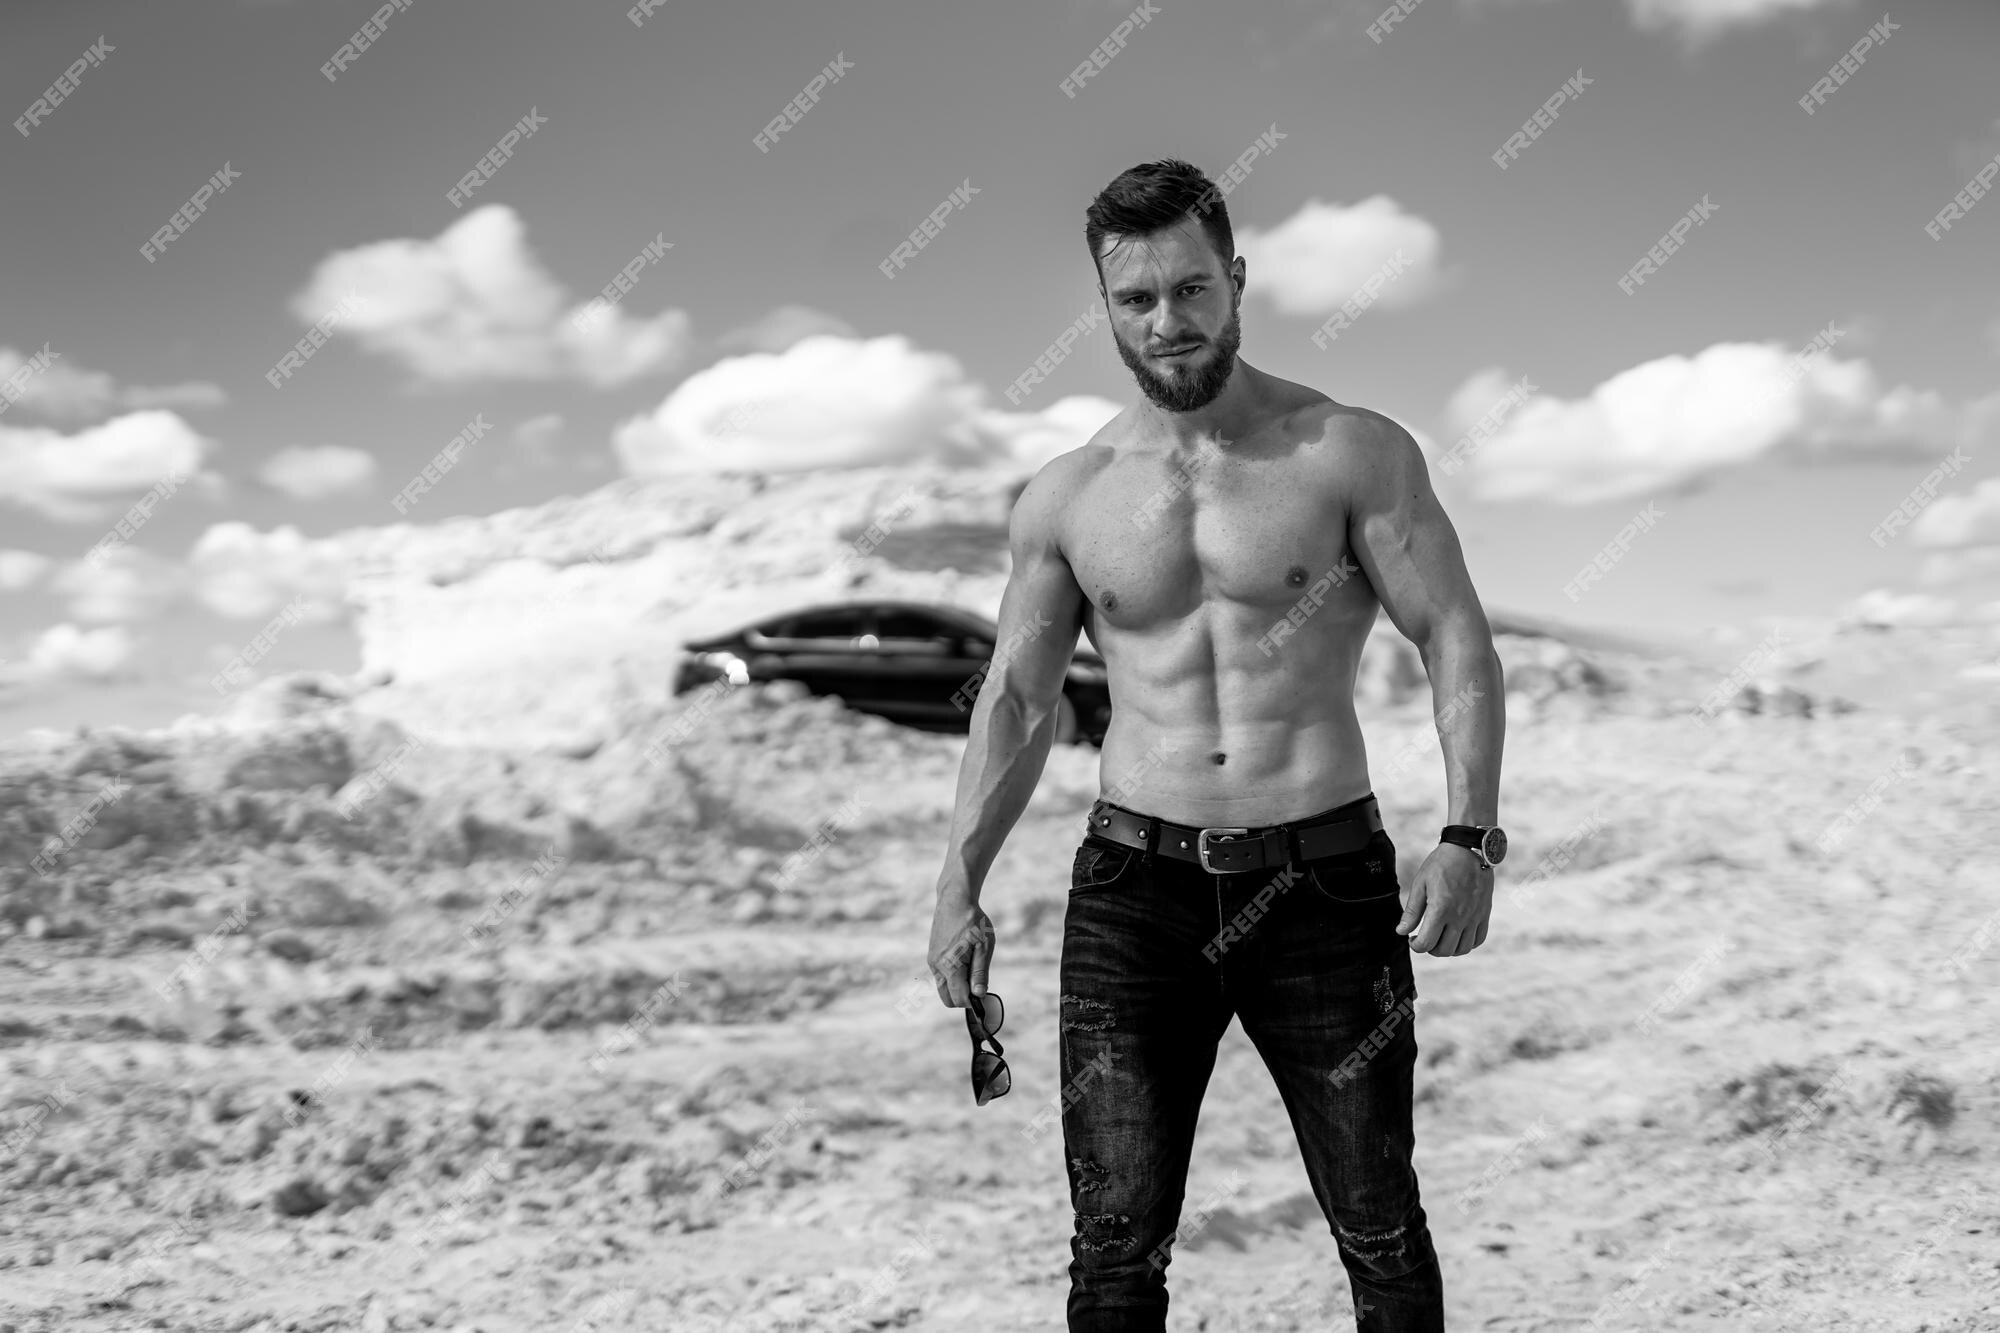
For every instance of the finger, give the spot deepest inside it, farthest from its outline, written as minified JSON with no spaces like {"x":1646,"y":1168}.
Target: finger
{"x":1425,"y":937}
{"x":1448,"y":937}
{"x":1413,"y":909}
{"x":1481,"y":939}
{"x":951,"y":982}
{"x":982,"y":957}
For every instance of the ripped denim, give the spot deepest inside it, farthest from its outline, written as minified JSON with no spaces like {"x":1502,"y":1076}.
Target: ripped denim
{"x":1158,"y":955}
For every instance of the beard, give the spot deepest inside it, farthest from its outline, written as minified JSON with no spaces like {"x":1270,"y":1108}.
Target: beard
{"x":1186,"y":388}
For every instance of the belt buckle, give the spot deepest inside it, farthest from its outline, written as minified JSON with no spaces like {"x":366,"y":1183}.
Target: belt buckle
{"x":1201,"y":846}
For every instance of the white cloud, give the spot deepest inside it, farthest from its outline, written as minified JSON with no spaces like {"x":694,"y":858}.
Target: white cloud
{"x":22,"y":569}
{"x":1033,"y":438}
{"x":312,"y":472}
{"x":1971,"y":519}
{"x":1700,"y":21}
{"x":1705,"y":20}
{"x":540,"y":438}
{"x":242,"y":573}
{"x":65,"y":650}
{"x":1318,"y":258}
{"x":196,"y":393}
{"x":122,"y":583}
{"x":232,"y":569}
{"x":614,"y":348}
{"x":64,"y":392}
{"x":1883,"y":606}
{"x":73,"y":477}
{"x":1676,"y":419}
{"x":476,"y":304}
{"x":1958,"y":566}
{"x":828,"y":401}
{"x":782,"y":327}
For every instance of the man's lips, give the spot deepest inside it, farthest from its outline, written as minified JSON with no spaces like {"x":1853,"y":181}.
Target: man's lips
{"x":1183,"y":351}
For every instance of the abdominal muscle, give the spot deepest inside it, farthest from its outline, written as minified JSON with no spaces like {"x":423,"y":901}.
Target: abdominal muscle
{"x":1283,"y":723}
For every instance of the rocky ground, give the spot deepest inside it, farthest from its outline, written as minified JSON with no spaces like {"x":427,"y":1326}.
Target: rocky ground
{"x":317,"y":1025}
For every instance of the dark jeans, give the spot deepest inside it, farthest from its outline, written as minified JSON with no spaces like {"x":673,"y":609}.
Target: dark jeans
{"x":1157,"y":955}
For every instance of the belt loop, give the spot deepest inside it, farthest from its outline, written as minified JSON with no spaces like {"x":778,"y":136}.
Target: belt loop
{"x":1152,"y":836}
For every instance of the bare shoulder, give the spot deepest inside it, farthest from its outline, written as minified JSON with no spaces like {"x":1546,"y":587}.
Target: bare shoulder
{"x":1042,"y":505}
{"x":1305,"y":416}
{"x":1370,"y":458}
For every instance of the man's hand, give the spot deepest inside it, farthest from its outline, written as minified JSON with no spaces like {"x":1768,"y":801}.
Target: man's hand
{"x":961,"y":948}
{"x":1449,"y":903}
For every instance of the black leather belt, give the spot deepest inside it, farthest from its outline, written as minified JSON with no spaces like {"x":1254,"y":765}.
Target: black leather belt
{"x":1224,"y":851}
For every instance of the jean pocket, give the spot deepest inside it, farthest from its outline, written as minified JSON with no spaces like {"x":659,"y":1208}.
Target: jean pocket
{"x":1099,"y":865}
{"x":1366,"y":876}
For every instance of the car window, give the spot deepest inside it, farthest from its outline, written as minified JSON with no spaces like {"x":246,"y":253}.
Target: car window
{"x":913,"y":625}
{"x":835,"y":623}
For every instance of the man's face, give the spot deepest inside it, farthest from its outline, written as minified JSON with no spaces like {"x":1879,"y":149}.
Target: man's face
{"x":1168,"y":291}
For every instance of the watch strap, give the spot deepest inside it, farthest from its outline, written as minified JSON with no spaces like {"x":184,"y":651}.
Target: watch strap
{"x":1472,"y":837}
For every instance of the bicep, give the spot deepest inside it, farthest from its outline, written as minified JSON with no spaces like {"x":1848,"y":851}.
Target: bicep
{"x":1041,"y":609}
{"x":1404,"y":540}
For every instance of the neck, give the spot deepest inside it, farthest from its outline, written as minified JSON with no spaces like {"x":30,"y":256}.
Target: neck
{"x":1221,"y":422}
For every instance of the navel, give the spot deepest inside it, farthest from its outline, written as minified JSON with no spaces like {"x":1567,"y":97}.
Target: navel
{"x":1218,"y":756}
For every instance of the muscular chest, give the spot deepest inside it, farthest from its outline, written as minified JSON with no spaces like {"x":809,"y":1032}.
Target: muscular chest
{"x":1150,"y":542}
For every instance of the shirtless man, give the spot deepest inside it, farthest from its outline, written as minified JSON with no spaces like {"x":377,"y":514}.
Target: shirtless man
{"x":1226,"y":543}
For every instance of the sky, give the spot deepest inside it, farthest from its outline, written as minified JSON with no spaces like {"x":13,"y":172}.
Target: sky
{"x":1724,"y":429}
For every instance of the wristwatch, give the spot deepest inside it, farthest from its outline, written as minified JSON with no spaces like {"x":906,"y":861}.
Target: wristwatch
{"x":1489,"y":841}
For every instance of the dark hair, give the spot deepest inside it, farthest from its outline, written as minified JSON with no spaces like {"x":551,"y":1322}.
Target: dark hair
{"x":1152,"y":196}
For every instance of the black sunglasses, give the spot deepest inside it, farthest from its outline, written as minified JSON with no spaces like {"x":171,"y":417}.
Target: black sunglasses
{"x":983,"y":1018}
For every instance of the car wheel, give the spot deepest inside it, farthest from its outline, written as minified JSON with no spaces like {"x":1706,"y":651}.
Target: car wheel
{"x":1065,"y":722}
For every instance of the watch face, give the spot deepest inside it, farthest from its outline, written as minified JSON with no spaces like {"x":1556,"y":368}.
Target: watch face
{"x":1496,"y":846}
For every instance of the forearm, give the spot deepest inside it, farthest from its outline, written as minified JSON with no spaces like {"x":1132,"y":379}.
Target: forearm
{"x":1005,"y":752}
{"x":1469,"y":703}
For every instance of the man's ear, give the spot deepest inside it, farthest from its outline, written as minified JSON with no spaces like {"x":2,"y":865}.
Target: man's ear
{"x":1238,"y":274}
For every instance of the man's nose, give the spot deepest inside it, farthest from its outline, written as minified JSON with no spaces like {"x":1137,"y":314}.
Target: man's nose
{"x":1172,"y":328}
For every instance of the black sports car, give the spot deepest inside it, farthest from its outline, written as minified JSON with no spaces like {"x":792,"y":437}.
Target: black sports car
{"x":917,"y":663}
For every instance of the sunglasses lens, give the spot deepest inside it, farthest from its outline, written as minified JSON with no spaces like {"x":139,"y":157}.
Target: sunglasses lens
{"x":987,"y":1010}
{"x":990,"y":1078}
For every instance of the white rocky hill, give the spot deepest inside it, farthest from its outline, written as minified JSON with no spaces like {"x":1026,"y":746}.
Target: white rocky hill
{"x":546,"y":627}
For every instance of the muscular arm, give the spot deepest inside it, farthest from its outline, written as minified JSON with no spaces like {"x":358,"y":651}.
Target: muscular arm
{"x":1014,"y":717}
{"x":1406,"y":545}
